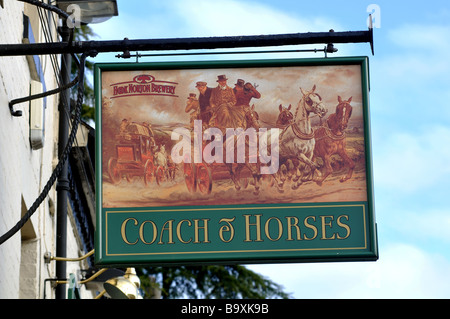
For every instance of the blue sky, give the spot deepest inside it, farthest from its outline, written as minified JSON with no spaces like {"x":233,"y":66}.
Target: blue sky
{"x":410,"y":126}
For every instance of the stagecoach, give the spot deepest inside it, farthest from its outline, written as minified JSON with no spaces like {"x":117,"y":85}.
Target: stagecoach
{"x":200,"y":176}
{"x":134,"y":156}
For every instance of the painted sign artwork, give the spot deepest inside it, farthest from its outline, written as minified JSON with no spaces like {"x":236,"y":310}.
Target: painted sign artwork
{"x":232,"y":137}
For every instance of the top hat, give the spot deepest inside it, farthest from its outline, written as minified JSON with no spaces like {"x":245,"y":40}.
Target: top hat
{"x":200,"y":84}
{"x":221,"y":78}
{"x":240,"y":82}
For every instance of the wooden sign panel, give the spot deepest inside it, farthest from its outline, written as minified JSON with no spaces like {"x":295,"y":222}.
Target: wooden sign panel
{"x":234,"y":162}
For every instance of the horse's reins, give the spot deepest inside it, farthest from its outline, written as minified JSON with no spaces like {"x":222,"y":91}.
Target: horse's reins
{"x":296,"y":130}
{"x":305,"y":136}
{"x":329,"y":133}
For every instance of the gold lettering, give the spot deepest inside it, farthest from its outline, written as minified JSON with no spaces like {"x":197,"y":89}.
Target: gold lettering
{"x":280,"y":228}
{"x":247,"y":228}
{"x":169,"y":229}
{"x":227,"y":228}
{"x":123,"y":232}
{"x":179,"y":231}
{"x":289,"y":228}
{"x":312,"y":227}
{"x":347,"y":228}
{"x":205,"y":230}
{"x":141,"y":232}
{"x":324,"y":224}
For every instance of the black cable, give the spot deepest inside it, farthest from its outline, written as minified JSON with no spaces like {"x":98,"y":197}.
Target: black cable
{"x":77,"y":117}
{"x":65,"y":16}
{"x":55,"y":9}
{"x":64,"y":154}
{"x":44,"y":5}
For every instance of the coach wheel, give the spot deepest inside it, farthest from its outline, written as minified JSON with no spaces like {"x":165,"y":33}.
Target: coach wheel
{"x":190,"y":177}
{"x":148,"y":172}
{"x":113,"y":171}
{"x":204,"y":179}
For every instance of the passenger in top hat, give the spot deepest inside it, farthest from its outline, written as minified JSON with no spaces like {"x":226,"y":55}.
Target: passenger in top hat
{"x":203,"y":99}
{"x":244,"y":93}
{"x":222,"y":94}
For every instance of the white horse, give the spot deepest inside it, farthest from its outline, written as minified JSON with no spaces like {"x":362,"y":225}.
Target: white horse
{"x":297,"y":140}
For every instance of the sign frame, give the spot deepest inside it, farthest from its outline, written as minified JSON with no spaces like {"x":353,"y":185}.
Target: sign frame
{"x":229,"y":233}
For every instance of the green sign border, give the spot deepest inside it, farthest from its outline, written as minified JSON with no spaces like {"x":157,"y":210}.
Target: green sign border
{"x":262,"y":252}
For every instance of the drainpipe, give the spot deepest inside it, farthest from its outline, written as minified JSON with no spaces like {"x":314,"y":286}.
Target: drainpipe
{"x":63,"y":186}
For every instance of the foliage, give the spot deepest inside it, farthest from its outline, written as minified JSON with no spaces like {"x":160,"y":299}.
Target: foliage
{"x":208,"y":282}
{"x":84,"y":33}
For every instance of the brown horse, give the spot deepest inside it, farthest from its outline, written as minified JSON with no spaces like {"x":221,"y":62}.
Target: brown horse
{"x":239,"y":118}
{"x":251,"y":121}
{"x":330,"y":139}
{"x":252,"y":117}
{"x":285,"y":117}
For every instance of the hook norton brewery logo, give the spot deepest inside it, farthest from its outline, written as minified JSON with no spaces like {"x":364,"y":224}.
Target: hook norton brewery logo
{"x":144,"y":84}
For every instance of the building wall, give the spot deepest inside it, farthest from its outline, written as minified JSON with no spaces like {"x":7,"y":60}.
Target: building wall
{"x":25,"y":171}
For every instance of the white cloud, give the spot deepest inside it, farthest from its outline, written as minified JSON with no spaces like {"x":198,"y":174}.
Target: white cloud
{"x":403,"y":271}
{"x":410,"y":120}
{"x":203,"y":18}
{"x":199,"y":18}
{"x":422,"y":225}
{"x":411,"y":80}
{"x":430,"y":38}
{"x":411,"y":161}
{"x":412,"y":75}
{"x":233,"y":18}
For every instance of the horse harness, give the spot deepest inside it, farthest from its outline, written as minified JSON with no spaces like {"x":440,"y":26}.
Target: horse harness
{"x":297,"y":132}
{"x":308,"y":136}
{"x":329,"y":133}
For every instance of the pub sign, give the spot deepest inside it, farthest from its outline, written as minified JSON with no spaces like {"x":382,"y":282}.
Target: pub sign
{"x":257,"y":161}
